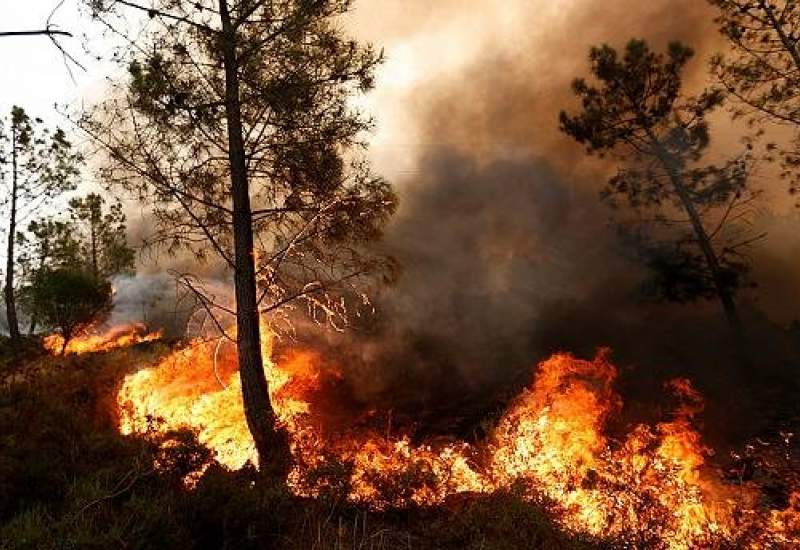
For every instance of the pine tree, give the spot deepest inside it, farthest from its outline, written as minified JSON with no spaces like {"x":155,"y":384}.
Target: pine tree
{"x":635,"y":110}
{"x":37,"y":165}
{"x":236,"y":127}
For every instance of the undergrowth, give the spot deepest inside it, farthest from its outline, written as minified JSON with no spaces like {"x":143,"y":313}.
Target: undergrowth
{"x":69,"y":480}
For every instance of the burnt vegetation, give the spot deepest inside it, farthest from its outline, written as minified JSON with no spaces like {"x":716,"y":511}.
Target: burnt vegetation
{"x":69,"y":479}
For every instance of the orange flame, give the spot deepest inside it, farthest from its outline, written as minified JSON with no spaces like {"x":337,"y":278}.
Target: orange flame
{"x":91,"y":341}
{"x":651,"y":488}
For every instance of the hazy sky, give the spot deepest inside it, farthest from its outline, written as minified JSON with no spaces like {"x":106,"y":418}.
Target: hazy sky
{"x":32,"y":69}
{"x":424,"y":42}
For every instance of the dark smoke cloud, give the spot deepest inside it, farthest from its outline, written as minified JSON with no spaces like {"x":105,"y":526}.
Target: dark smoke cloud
{"x":505,"y":263}
{"x":506,"y":251}
{"x":486,"y":251}
{"x":490,"y":255}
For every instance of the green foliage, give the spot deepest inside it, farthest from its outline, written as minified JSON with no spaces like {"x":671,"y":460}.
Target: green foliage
{"x":686,"y":217}
{"x":46,"y":163}
{"x":68,"y":300}
{"x":103,"y":240}
{"x":36,"y":165}
{"x":48,"y":243}
{"x":92,"y":240}
{"x":637,"y":96}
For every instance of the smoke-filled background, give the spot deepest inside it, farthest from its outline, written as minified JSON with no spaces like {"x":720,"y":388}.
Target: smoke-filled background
{"x":507,"y":253}
{"x":506,"y":249}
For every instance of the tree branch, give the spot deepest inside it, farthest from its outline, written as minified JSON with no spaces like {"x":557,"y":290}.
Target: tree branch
{"x":40,"y":32}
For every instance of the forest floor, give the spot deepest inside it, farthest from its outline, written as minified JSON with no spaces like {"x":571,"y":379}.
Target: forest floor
{"x":68,"y":480}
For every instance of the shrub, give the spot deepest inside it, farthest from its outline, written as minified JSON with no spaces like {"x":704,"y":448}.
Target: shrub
{"x":68,"y":300}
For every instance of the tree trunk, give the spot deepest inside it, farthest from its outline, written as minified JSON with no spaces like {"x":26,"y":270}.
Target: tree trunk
{"x":270,"y":442}
{"x":723,"y":292}
{"x":712,"y":261}
{"x":42,"y":259}
{"x":11,"y":307}
{"x":95,"y":270}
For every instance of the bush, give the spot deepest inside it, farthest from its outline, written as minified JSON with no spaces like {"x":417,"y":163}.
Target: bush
{"x":68,"y":300}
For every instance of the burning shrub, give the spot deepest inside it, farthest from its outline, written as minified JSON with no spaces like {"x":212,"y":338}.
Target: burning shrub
{"x":649,"y":487}
{"x":392,"y":483}
{"x":69,"y":300}
{"x":182,"y":456}
{"x":68,"y":479}
{"x":329,"y":478}
{"x":90,"y":340}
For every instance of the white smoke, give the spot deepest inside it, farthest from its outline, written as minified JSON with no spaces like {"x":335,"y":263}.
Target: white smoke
{"x":153,"y":299}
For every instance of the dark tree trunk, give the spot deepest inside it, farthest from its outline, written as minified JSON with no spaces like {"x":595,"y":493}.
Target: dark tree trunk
{"x":95,"y":269}
{"x":722,"y":291}
{"x":11,"y":306}
{"x":270,"y":442}
{"x":42,"y":260}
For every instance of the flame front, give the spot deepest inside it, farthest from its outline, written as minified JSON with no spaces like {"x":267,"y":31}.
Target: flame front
{"x":93,"y":341}
{"x":649,"y":488}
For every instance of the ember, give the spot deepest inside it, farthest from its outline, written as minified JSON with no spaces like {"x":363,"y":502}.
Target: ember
{"x":651,"y":487}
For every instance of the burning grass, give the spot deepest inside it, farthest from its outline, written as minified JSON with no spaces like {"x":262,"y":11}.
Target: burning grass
{"x":651,"y":487}
{"x":94,"y":340}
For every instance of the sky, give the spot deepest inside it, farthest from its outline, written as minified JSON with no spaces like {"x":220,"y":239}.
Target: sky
{"x":33,"y":71}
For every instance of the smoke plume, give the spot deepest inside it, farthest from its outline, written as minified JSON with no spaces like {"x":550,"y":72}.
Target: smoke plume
{"x":506,"y":250}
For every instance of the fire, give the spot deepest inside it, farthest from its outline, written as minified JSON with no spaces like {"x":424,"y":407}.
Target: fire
{"x":650,"y":487}
{"x":93,"y":341}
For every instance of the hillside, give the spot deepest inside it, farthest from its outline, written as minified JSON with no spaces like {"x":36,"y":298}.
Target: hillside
{"x":69,"y":480}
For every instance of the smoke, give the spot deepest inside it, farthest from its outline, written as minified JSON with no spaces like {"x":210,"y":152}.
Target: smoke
{"x":489,"y":254}
{"x":490,"y":80}
{"x":151,"y":298}
{"x":506,"y":250}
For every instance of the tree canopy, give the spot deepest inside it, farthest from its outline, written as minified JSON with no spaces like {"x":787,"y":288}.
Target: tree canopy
{"x":69,"y":300}
{"x":761,"y":70}
{"x":36,"y":164}
{"x":686,"y":207}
